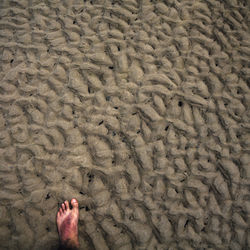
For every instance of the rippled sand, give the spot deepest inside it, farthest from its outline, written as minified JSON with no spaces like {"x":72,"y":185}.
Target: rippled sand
{"x":139,"y":109}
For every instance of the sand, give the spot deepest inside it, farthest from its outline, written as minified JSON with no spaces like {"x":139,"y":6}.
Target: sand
{"x":139,"y":109}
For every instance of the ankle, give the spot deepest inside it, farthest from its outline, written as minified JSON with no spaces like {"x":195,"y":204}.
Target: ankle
{"x":70,"y":244}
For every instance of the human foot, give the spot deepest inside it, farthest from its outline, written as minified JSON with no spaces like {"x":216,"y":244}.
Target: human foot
{"x":67,"y":224}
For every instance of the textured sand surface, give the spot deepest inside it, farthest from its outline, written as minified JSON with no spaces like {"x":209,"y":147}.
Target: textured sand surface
{"x":139,"y":109}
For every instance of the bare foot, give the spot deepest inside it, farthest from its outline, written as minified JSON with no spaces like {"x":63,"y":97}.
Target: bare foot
{"x":67,"y":224}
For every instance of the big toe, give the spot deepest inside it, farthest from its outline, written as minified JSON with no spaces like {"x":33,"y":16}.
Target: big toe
{"x":74,"y":204}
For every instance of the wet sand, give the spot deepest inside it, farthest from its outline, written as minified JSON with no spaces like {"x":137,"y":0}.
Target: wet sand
{"x":138,"y":109}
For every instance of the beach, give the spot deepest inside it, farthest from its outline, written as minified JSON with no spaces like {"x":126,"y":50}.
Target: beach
{"x":138,"y":109}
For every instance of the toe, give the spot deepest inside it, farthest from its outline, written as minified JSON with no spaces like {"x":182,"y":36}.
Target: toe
{"x":60,"y":211}
{"x":63,"y":207}
{"x":58,"y":214}
{"x":66,"y":203}
{"x":74,"y":204}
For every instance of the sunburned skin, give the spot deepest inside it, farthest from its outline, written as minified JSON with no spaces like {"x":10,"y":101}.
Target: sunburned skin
{"x":67,"y":225}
